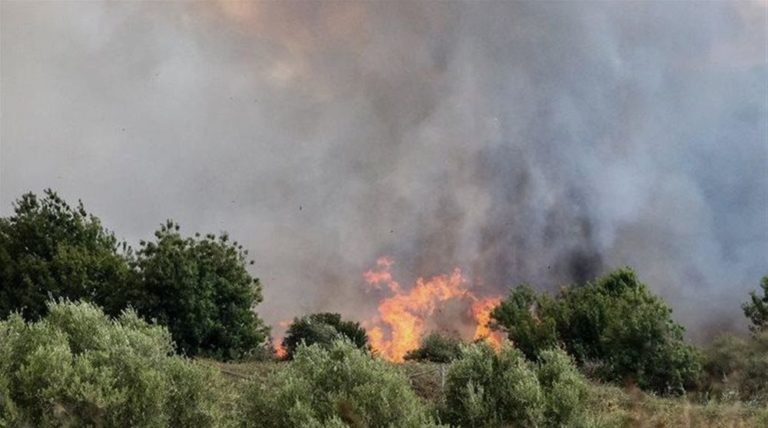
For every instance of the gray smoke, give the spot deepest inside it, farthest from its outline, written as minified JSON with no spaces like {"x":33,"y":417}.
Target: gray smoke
{"x":544,"y":142}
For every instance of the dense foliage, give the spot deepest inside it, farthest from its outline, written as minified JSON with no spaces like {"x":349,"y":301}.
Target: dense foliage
{"x":486,"y":389}
{"x":323,"y":329}
{"x":200,"y":289}
{"x":77,"y":367}
{"x":614,"y":326}
{"x":335,"y":386}
{"x":50,"y":249}
{"x":437,"y":348}
{"x":757,"y":308}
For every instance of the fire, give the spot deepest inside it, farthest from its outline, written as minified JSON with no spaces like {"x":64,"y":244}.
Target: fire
{"x":403,"y":317}
{"x":280,"y":350}
{"x":481,"y":311}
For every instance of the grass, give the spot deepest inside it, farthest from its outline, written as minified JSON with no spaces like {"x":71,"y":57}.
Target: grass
{"x":610,"y":406}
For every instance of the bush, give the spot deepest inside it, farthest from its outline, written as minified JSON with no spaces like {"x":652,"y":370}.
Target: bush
{"x":339,"y":385}
{"x":322,"y":329}
{"x":565,"y":388}
{"x":437,"y":348}
{"x":485,"y":389}
{"x":614,"y":324}
{"x":76,"y":367}
{"x":737,"y":368}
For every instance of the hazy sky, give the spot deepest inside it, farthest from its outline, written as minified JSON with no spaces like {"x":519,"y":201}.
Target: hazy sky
{"x":544,"y":142}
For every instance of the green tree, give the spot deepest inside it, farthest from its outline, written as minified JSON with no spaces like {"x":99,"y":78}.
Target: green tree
{"x":615,"y":326}
{"x":757,"y":308}
{"x":49,"y":249}
{"x":529,"y":319}
{"x":323,"y":329}
{"x":338,"y":385}
{"x":201,"y":290}
{"x":78,"y":367}
{"x":437,"y":348}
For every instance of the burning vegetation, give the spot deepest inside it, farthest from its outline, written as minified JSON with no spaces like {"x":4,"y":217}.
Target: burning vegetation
{"x":611,"y":330}
{"x":405,"y":316}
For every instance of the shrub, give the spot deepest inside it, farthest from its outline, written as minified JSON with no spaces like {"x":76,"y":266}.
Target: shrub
{"x":614,"y":323}
{"x":484,"y":389}
{"x":437,"y":348}
{"x":339,"y":385}
{"x":737,"y":368}
{"x":565,"y":389}
{"x":76,"y":367}
{"x":322,"y":329}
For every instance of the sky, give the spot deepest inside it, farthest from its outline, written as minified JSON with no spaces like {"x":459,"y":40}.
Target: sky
{"x":539,"y":142}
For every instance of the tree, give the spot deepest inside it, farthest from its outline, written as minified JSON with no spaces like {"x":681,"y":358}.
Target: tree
{"x":323,"y":329}
{"x":338,"y":385}
{"x":757,"y":308}
{"x":49,"y":249}
{"x":437,"y":348}
{"x":529,"y":319}
{"x":78,"y":367}
{"x":201,"y":290}
{"x":614,"y":325}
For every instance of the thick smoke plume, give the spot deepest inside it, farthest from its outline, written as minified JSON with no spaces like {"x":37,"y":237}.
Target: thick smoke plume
{"x":543,"y":142}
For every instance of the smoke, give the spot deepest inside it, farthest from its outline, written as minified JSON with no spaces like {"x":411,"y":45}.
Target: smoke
{"x":541,"y":142}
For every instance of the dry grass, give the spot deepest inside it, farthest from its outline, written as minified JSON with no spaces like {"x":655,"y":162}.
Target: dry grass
{"x":612,"y":406}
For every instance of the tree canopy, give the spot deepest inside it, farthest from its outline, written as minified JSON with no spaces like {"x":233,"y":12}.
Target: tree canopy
{"x":51,"y":249}
{"x":200,"y":289}
{"x":614,"y":326}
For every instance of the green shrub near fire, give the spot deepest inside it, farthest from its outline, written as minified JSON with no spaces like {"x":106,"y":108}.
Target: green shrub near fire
{"x":437,"y":348}
{"x":489,"y":389}
{"x":335,"y":386}
{"x":614,"y":327}
{"x":323,"y":329}
{"x":78,"y":367}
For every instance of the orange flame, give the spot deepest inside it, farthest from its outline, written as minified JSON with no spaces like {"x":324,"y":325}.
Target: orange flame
{"x":280,"y":350}
{"x":402,"y":319}
{"x":481,"y":311}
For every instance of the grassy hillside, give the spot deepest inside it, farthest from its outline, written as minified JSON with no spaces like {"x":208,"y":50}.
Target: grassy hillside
{"x":610,"y":406}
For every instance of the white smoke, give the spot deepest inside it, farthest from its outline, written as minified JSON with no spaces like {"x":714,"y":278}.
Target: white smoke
{"x":521,"y":141}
